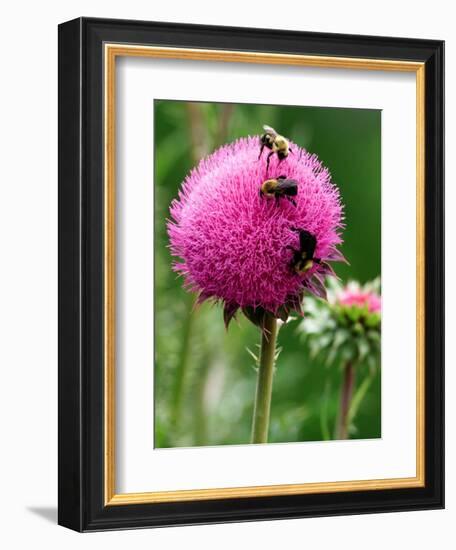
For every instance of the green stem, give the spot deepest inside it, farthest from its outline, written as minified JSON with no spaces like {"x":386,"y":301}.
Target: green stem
{"x":358,"y":397}
{"x":345,"y":399}
{"x":262,"y":407}
{"x":200,"y":416}
{"x":325,"y":431}
{"x":182,"y":365}
{"x":224,"y":121}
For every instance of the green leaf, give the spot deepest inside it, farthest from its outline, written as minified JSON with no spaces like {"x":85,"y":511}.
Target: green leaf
{"x":348,"y":352}
{"x":373,"y":335}
{"x":353,"y":313}
{"x":372,"y":362}
{"x":324,"y":412}
{"x":363,"y":348}
{"x":352,"y":430}
{"x":311,"y":305}
{"x":373,"y":320}
{"x":324,"y":340}
{"x":314,"y":349}
{"x":358,"y":397}
{"x":331,"y":356}
{"x":310,"y":326}
{"x":341,"y":336}
{"x":358,"y":328}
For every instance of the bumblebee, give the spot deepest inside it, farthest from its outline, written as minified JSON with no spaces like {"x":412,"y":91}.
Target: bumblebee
{"x":303,"y":259}
{"x":276,"y":143}
{"x":280,"y":187}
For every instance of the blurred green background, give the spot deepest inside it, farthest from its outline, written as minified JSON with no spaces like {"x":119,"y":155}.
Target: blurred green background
{"x":204,"y":377}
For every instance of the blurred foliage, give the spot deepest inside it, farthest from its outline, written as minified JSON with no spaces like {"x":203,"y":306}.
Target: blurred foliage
{"x":204,"y":376}
{"x":345,"y":336}
{"x":343,"y":332}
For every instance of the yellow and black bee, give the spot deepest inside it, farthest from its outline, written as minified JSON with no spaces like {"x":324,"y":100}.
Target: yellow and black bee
{"x":276,"y":143}
{"x":303,"y":259}
{"x":280,"y":187}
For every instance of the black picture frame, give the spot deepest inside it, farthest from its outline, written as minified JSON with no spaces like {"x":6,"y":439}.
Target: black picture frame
{"x":81,"y":400}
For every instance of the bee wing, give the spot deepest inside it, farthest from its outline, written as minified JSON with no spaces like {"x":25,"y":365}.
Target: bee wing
{"x":287,"y":184}
{"x":269,"y":130}
{"x":307,"y":242}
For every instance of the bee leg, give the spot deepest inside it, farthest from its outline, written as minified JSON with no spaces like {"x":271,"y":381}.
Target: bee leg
{"x":277,"y":198}
{"x":291,"y":150}
{"x":267,"y":161}
{"x":294,"y":259}
{"x":261,"y":151}
{"x":293,"y":202}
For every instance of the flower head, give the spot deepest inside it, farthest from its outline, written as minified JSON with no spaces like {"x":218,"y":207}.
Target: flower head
{"x":348,"y":326}
{"x":235,"y":245}
{"x":354,"y":295}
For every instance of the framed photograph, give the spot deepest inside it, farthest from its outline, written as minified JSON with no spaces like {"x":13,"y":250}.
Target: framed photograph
{"x":251,"y":272}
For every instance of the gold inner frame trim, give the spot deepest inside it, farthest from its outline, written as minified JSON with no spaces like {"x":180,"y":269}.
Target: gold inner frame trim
{"x":111,"y":52}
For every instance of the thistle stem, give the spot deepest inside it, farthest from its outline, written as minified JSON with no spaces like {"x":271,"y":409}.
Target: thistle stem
{"x":262,"y":407}
{"x":182,"y":366}
{"x":346,"y":394}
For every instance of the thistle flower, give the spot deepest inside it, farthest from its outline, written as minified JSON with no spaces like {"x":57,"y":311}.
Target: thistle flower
{"x":346,"y":330}
{"x":234,"y":245}
{"x":348,"y":327}
{"x":354,"y":295}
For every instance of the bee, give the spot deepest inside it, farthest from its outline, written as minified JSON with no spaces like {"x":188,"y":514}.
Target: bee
{"x":280,"y":187}
{"x":276,"y":143}
{"x":303,"y":259}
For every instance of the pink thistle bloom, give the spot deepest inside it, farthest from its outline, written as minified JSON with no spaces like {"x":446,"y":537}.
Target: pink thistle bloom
{"x":234,"y":244}
{"x":360,"y":298}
